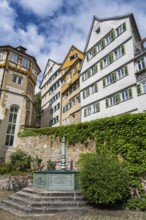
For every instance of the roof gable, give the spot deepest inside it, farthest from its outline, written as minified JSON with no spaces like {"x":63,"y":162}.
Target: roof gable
{"x":96,"y":22}
{"x":69,"y":59}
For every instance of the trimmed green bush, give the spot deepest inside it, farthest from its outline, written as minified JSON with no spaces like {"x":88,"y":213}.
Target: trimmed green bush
{"x":20,"y":160}
{"x":103,"y":180}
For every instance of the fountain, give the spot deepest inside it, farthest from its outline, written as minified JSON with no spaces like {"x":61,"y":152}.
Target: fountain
{"x":57,"y":179}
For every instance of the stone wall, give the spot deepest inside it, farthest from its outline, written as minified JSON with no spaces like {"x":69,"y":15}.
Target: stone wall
{"x":49,"y":147}
{"x":14,"y":182}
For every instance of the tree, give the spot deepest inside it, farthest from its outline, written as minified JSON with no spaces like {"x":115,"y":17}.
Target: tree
{"x":37,"y":107}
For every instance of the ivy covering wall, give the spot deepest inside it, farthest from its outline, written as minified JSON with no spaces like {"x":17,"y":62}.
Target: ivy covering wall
{"x":123,"y":136}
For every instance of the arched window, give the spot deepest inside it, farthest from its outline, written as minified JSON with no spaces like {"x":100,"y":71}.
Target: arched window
{"x":11,"y":126}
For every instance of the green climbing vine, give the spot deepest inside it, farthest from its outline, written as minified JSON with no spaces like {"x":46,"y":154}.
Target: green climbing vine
{"x":123,"y":136}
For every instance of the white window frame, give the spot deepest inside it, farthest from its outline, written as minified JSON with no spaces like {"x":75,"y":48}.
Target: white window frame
{"x":141,"y":64}
{"x":124,"y":95}
{"x":120,"y":73}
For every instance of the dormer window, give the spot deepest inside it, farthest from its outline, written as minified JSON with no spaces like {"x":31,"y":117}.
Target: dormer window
{"x":73,"y":56}
{"x":97,"y":30}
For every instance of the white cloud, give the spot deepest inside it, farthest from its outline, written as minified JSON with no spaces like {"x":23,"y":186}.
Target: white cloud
{"x":42,"y":8}
{"x":64,"y":28}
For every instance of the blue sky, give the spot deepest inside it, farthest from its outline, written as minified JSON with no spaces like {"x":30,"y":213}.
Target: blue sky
{"x":48,"y":28}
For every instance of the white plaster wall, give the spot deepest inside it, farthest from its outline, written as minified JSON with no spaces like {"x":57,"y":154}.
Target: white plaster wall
{"x":129,"y":106}
{"x":106,"y":26}
{"x":111,"y":89}
{"x":46,"y":116}
{"x":142,"y":103}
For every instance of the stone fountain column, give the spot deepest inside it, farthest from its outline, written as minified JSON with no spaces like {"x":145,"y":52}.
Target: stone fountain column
{"x":63,"y":154}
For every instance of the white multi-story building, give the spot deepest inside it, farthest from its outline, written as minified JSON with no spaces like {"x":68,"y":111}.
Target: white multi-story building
{"x":113,"y":74}
{"x":50,"y":93}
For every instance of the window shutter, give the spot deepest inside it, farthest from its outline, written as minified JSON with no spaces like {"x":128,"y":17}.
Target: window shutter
{"x":95,"y":68}
{"x":139,"y":90}
{"x":101,"y":65}
{"x":124,"y":26}
{"x":107,"y":103}
{"x":104,"y":82}
{"x":85,"y":113}
{"x":82,"y":77}
{"x":97,"y":107}
{"x":103,"y":43}
{"x":87,"y":57}
{"x":113,"y":34}
{"x":123,"y":49}
{"x":130,"y":93}
{"x":114,"y":77}
{"x":94,"y":51}
{"x":117,"y":98}
{"x":111,"y":57}
{"x":96,"y":87}
{"x":126,"y":70}
{"x":83,"y":94}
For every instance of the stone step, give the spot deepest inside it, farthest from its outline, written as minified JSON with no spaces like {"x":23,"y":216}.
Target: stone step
{"x":25,"y":196}
{"x":30,"y":201}
{"x":9,"y":206}
{"x":52,"y":203}
{"x":41,"y":192}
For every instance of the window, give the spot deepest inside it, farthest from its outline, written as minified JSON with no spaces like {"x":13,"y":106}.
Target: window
{"x":109,"y":80}
{"x":119,"y":97}
{"x":96,"y":107}
{"x":97,"y":30}
{"x":11,"y":126}
{"x":124,"y":95}
{"x":141,"y":64}
{"x":120,"y":29}
{"x":30,"y":87}
{"x":90,"y":72}
{"x":87,"y":111}
{"x":13,"y":57}
{"x":75,"y":69}
{"x":25,"y":62}
{"x":117,"y":75}
{"x":17,"y":79}
{"x":73,"y":56}
{"x":1,"y":55}
{"x":141,"y":87}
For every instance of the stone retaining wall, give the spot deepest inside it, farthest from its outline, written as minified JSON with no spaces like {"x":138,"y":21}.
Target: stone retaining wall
{"x":49,"y":147}
{"x":15,"y":182}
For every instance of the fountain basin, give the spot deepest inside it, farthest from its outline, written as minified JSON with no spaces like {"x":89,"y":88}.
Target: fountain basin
{"x":56,"y":180}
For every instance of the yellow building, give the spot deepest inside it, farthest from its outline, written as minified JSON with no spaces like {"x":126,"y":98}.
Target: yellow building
{"x":70,"y":89}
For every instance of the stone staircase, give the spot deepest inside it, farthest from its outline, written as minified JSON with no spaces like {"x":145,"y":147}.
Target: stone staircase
{"x":30,"y":201}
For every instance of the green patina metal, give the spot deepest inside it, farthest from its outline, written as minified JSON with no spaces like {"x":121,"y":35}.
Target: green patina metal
{"x":56,"y":180}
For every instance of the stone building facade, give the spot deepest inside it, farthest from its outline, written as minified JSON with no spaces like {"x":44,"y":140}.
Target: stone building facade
{"x":18,"y":78}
